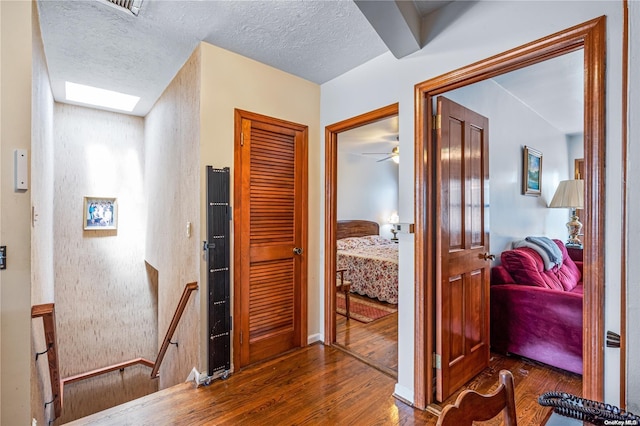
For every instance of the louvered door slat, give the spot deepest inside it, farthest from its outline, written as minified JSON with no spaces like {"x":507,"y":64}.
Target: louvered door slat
{"x":271,"y":296}
{"x":273,"y":159}
{"x":272,"y":187}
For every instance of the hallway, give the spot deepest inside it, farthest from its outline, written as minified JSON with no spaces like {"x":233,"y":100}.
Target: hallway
{"x":319,"y":385}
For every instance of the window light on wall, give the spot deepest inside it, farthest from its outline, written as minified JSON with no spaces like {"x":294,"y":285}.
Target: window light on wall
{"x":100,"y":97}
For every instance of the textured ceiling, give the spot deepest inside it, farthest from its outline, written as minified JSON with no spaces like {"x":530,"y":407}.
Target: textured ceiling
{"x":316,"y":40}
{"x":92,"y":42}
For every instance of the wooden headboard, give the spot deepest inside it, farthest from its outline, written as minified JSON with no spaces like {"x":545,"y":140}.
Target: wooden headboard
{"x":356,"y":228}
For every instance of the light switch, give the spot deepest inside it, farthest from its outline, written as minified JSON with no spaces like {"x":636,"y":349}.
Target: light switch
{"x":404,"y":228}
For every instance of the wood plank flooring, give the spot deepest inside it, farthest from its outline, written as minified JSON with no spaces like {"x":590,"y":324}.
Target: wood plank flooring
{"x":319,"y":385}
{"x":375,"y":343}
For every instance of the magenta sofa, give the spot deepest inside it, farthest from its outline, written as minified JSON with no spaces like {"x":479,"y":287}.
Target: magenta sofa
{"x":535,"y":313}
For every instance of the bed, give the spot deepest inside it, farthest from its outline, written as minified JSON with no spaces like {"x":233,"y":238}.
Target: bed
{"x":371,"y":261}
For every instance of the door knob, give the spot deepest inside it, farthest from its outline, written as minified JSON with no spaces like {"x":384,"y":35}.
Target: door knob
{"x":487,"y":256}
{"x":297,"y":250}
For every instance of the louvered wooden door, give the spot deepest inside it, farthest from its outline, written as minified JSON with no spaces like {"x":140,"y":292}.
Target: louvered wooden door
{"x":462,"y":292}
{"x":270,"y":237}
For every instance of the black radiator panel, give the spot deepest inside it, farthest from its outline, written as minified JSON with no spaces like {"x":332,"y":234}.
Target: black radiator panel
{"x":218,"y":258}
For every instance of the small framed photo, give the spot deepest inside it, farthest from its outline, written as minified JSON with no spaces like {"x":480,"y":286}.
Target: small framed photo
{"x":532,"y":172}
{"x":100,"y":213}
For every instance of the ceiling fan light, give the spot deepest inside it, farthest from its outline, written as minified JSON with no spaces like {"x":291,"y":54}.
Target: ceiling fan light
{"x":396,"y":159}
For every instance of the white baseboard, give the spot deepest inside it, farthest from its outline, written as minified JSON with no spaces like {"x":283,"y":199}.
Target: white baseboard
{"x":315,"y":338}
{"x":403,"y":394}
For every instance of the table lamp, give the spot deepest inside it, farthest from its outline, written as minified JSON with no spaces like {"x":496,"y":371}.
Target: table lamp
{"x":570,"y":194}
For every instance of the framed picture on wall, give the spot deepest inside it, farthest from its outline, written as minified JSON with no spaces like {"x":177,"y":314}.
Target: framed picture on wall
{"x":100,"y":213}
{"x":532,"y":172}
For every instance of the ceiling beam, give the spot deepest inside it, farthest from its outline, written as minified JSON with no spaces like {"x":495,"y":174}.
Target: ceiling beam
{"x":396,"y":22}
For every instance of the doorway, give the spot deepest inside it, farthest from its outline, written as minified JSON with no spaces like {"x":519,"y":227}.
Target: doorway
{"x":589,"y":37}
{"x":270,"y":227}
{"x":538,"y":106}
{"x":331,"y":211}
{"x":367,"y":248}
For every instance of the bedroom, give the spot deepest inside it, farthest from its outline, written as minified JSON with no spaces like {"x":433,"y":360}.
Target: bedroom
{"x":367,"y":167}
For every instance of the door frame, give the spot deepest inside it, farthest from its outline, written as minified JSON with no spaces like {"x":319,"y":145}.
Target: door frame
{"x":241,"y":252}
{"x":331,"y":207}
{"x":591,"y":37}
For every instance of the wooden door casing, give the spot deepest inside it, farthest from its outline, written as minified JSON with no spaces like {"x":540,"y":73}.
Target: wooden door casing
{"x":270,"y":221}
{"x":462,"y":296}
{"x":590,"y":36}
{"x":330,"y":214}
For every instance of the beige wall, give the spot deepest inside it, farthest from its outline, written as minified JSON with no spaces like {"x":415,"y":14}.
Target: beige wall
{"x":42,"y":248}
{"x":1,"y":102}
{"x":15,"y":232}
{"x":231,"y":81}
{"x":172,"y":190}
{"x":105,"y":304}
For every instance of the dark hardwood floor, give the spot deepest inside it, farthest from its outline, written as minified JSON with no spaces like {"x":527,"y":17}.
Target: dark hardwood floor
{"x":320,"y":385}
{"x":375,"y":343}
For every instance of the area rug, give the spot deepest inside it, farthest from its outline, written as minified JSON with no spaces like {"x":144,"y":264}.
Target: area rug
{"x":363,"y":309}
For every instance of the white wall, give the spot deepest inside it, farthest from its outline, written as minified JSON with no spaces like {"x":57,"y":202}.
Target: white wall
{"x":512,"y":125}
{"x":367,"y":190}
{"x":105,"y":306}
{"x":42,"y":248}
{"x":575,"y":143}
{"x":477,"y":33}
{"x":633,"y":214}
{"x":172,"y":188}
{"x":15,"y":213}
{"x":42,"y":187}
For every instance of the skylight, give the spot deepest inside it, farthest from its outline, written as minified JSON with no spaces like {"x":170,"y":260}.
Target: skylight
{"x":100,"y":97}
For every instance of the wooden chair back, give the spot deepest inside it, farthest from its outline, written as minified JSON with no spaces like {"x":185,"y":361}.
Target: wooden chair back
{"x":472,"y":406}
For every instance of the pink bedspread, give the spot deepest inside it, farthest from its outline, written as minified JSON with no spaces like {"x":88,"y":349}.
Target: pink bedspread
{"x":372,"y":267}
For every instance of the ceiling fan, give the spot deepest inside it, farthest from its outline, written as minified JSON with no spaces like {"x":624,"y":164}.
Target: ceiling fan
{"x":394,"y":155}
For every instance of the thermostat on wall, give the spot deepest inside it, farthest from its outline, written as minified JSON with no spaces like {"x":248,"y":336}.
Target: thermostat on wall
{"x":21,"y":174}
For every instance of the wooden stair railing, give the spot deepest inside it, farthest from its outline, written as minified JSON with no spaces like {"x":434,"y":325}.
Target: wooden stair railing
{"x":48,"y":314}
{"x":105,"y":370}
{"x":182,"y":304}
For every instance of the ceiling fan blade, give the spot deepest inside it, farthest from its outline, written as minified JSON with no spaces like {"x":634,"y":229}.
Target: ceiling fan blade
{"x":385,"y":159}
{"x":375,"y":153}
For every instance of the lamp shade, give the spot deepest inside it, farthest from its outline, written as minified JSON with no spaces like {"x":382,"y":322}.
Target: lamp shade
{"x":570,"y":193}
